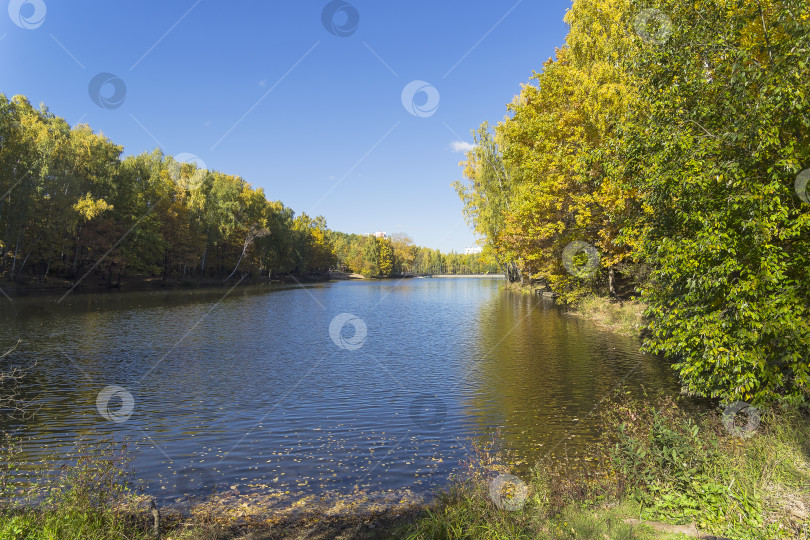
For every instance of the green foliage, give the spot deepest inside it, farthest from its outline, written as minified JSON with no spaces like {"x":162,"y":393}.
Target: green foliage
{"x":71,"y":206}
{"x":682,"y":468}
{"x":676,"y":158}
{"x":397,"y":255}
{"x":73,"y":210}
{"x":85,"y":500}
{"x":674,"y":468}
{"x":313,"y":238}
{"x":539,"y":183}
{"x":385,"y":257}
{"x":487,"y":194}
{"x":657,"y":462}
{"x":714,"y":153}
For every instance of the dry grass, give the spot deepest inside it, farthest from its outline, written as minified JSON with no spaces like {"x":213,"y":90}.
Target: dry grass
{"x":625,"y":318}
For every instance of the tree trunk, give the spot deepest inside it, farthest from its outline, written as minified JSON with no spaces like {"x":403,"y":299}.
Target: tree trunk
{"x":75,"y":266}
{"x":248,"y":240}
{"x":16,"y":250}
{"x":23,"y":263}
{"x":512,"y":273}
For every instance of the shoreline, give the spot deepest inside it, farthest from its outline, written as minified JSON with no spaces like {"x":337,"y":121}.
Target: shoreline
{"x":17,"y":289}
{"x":491,"y":276}
{"x":557,"y":504}
{"x":721,"y":492}
{"x":624,"y":317}
{"x":52,"y":287}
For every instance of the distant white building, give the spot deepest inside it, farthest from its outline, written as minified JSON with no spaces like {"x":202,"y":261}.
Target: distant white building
{"x":380,"y":234}
{"x":473,"y":250}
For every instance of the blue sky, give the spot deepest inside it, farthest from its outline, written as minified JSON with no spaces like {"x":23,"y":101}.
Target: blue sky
{"x":264,"y":90}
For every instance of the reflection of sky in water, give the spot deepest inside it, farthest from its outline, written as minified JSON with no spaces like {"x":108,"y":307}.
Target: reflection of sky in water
{"x":253,"y":392}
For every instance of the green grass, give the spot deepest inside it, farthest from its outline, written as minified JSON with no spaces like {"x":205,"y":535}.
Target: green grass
{"x":657,"y":463}
{"x":463,"y":518}
{"x":83,"y":501}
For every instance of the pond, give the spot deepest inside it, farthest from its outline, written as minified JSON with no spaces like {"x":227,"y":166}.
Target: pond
{"x":372,"y":386}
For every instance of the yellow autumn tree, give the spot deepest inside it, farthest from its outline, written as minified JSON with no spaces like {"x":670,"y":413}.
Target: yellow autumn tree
{"x":558,"y":141}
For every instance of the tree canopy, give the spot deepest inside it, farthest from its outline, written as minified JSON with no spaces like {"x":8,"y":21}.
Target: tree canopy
{"x":664,"y":142}
{"x":73,"y":209}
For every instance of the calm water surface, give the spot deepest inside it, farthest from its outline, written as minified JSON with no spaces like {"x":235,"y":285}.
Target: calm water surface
{"x":248,"y":388}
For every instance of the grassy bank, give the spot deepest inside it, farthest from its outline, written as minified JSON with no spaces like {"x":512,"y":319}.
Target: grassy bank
{"x":625,"y":317}
{"x":658,"y":472}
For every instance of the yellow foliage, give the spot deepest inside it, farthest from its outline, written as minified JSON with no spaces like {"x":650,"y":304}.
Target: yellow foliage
{"x":90,"y":208}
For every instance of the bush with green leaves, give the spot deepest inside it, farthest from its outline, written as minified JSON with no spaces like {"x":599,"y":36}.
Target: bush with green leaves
{"x":83,"y":500}
{"x":683,"y":467}
{"x":714,"y":150}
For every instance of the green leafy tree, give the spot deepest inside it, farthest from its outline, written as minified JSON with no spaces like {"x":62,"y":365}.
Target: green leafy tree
{"x":486,"y":196}
{"x":721,"y":132}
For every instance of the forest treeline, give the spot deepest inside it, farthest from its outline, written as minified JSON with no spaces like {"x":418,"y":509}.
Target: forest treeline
{"x":72,"y":208}
{"x":664,"y":152}
{"x":397,"y":255}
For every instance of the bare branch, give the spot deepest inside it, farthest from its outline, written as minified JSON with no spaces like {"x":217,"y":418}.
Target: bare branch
{"x":11,"y":350}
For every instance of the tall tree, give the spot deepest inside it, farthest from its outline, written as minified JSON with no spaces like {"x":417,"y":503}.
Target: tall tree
{"x":723,"y":131}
